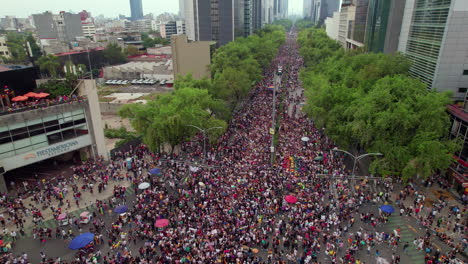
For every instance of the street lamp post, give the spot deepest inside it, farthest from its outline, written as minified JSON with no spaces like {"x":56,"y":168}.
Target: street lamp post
{"x":357,"y":158}
{"x":204,"y":131}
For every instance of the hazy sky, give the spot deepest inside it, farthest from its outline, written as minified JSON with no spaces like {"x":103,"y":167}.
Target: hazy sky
{"x":109,"y":8}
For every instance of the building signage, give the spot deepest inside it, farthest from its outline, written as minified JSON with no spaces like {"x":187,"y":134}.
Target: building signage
{"x":27,"y":158}
{"x":56,"y":150}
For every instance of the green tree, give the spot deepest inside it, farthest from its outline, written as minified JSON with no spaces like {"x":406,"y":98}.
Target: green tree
{"x":188,"y":81}
{"x":165,"y":119}
{"x":35,"y":49}
{"x":231,"y":85}
{"x":50,"y":64}
{"x":132,"y":51}
{"x":368,"y":102}
{"x":286,"y":23}
{"x":114,"y":54}
{"x":16,"y":46}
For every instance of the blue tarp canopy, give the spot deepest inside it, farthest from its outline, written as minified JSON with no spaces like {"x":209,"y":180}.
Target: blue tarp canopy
{"x":121,"y":209}
{"x":387,"y":209}
{"x":81,"y":241}
{"x":155,"y":171}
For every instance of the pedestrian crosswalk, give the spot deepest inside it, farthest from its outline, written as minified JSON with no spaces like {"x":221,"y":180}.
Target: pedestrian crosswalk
{"x":406,"y":235}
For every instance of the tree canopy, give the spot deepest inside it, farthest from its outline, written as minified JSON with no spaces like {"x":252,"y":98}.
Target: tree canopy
{"x":368,"y":102}
{"x":59,"y":87}
{"x":286,"y":23}
{"x":17,"y":44}
{"x":166,"y":119}
{"x":114,"y":54}
{"x":50,"y":64}
{"x":149,"y":42}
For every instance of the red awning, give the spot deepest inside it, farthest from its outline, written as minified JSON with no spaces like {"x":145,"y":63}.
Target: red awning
{"x":462,"y":162}
{"x":460,"y":178}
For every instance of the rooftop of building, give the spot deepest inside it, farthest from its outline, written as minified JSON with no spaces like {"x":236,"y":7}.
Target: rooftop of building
{"x":6,"y":67}
{"x":78,"y":52}
{"x":144,"y":66}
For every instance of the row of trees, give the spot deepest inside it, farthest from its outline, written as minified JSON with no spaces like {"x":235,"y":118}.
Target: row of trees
{"x":206,"y":103}
{"x":367,"y":102}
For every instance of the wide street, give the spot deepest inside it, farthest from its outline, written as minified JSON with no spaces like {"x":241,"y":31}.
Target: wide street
{"x":238,"y":210}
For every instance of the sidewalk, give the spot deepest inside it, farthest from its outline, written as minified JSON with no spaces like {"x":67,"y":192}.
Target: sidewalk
{"x":87,"y":200}
{"x":432,"y":195}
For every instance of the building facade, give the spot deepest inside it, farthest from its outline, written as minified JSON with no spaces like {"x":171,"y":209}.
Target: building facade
{"x":384,"y":22}
{"x":458,"y":172}
{"x":318,"y":10}
{"x":347,"y":16}
{"x":136,"y":9}
{"x":33,"y":135}
{"x":191,"y":57}
{"x":63,"y":26}
{"x":332,"y":25}
{"x":220,"y":20}
{"x":4,"y":51}
{"x":172,"y":28}
{"x":434,"y":39}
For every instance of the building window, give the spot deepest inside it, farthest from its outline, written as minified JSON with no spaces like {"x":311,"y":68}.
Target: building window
{"x":465,"y":72}
{"x":462,"y":90}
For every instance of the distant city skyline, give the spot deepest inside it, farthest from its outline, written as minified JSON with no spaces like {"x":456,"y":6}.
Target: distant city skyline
{"x":111,"y":9}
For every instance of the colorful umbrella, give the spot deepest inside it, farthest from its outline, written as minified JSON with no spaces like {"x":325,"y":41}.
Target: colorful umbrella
{"x":387,"y":209}
{"x":62,"y":216}
{"x":155,"y":171}
{"x":30,"y":94}
{"x":290,"y":199}
{"x":143,"y":185}
{"x":161,"y":223}
{"x":81,"y":241}
{"x":42,"y":95}
{"x":19,"y":98}
{"x":84,"y":214}
{"x":121,"y":209}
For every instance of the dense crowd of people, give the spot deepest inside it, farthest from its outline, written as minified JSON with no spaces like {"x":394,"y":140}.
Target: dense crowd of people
{"x":233,"y":209}
{"x":37,"y":103}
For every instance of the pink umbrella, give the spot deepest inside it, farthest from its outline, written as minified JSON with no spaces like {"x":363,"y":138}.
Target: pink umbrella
{"x":62,"y":216}
{"x":161,"y":223}
{"x":84,"y":214}
{"x":290,"y":199}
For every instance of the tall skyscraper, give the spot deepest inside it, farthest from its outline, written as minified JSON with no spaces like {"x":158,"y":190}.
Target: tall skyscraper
{"x":256,"y":14}
{"x":182,"y":8}
{"x":307,"y":6}
{"x":219,"y":20}
{"x":384,"y":19}
{"x":318,"y":10}
{"x":136,"y":8}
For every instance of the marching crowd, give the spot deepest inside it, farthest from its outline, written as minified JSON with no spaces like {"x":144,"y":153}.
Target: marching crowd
{"x":233,"y":209}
